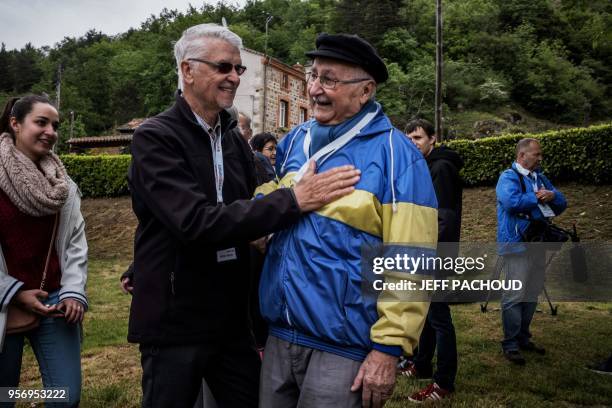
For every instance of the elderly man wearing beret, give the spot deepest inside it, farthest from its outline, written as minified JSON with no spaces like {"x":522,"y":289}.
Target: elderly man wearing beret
{"x":330,"y":344}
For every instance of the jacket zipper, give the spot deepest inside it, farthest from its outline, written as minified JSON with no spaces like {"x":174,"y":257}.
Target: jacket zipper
{"x":283,"y":283}
{"x":172,"y":283}
{"x":249,"y":310}
{"x":287,"y":313}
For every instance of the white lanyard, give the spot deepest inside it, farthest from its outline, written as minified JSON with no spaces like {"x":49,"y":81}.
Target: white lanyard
{"x":334,"y":146}
{"x":217,"y":153}
{"x":215,"y":143}
{"x":545,"y":208}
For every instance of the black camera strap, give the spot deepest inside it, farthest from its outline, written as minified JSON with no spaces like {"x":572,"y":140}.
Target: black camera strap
{"x":520,"y":176}
{"x":523,"y":190}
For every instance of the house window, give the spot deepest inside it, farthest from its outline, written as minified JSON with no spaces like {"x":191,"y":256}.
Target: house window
{"x":303,"y":115}
{"x":304,"y":88}
{"x":285,"y":81}
{"x":283,"y":114}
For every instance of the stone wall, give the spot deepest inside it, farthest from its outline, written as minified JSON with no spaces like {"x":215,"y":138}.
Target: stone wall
{"x":293,"y":94}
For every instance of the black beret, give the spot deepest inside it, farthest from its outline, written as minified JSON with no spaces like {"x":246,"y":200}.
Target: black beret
{"x":353,"y":49}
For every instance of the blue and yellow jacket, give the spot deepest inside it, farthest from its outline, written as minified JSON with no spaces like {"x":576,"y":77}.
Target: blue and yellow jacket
{"x":310,"y":290}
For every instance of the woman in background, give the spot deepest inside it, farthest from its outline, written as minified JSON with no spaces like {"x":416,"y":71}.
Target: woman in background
{"x":265,"y":143}
{"x":43,"y":250}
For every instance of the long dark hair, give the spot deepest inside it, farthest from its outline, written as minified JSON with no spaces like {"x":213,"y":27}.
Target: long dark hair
{"x":19,"y":109}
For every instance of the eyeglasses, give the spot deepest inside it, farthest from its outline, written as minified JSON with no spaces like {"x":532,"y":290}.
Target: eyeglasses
{"x":329,"y":83}
{"x":222,"y":67}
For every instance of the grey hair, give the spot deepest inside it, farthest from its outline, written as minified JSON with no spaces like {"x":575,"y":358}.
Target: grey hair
{"x":233,"y":111}
{"x":373,"y":96}
{"x":187,"y":47}
{"x":247,"y":117}
{"x":359,"y":71}
{"x":525,"y":144}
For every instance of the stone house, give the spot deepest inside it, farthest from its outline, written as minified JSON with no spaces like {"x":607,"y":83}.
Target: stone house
{"x":272,"y":93}
{"x":110,"y":144}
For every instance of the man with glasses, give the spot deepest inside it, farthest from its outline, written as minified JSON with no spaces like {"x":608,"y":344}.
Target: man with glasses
{"x":330,"y":344}
{"x":191,"y":181}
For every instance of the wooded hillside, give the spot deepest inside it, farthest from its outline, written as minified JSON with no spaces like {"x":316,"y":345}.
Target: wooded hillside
{"x":550,"y":58}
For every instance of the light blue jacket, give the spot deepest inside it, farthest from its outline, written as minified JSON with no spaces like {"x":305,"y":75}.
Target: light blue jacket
{"x":511,"y":202}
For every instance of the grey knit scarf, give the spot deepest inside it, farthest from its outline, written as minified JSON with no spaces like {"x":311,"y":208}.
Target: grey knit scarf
{"x":33,"y":191}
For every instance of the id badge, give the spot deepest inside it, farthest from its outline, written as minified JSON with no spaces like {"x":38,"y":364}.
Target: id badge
{"x":226,"y":255}
{"x":546,"y":210}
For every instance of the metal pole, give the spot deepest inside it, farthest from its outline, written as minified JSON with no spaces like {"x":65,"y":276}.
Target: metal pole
{"x":438,"y":100}
{"x":58,"y":88}
{"x":266,"y":42}
{"x":71,"y":124}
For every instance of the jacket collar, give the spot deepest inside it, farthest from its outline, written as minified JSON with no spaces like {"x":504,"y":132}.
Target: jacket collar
{"x":226,"y":119}
{"x":521,"y":169}
{"x":379,"y":123}
{"x":524,"y":171}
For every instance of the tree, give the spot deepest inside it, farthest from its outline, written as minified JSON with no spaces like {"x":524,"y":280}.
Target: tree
{"x":26,"y":69}
{"x":67,"y":130}
{"x":557,"y":88}
{"x":409,"y":94}
{"x":400,"y":45}
{"x":539,"y":14}
{"x":552,"y":57}
{"x":368,"y":18}
{"x":6,"y":62}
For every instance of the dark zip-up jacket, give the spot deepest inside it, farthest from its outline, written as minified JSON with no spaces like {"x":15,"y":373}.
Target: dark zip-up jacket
{"x":183,"y":292}
{"x":444,"y":166}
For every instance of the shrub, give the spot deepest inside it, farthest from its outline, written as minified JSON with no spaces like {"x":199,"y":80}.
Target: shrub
{"x":581,"y":154}
{"x":99,"y":176}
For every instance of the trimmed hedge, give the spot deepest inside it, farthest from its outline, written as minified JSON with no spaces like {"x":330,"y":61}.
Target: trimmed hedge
{"x":99,"y":176}
{"x":581,"y":154}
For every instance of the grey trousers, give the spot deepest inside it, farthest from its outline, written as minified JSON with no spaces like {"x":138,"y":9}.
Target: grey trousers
{"x":518,"y":307}
{"x":297,"y":376}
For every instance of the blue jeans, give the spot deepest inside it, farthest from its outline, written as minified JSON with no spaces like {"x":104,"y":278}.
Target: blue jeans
{"x":519,"y":306}
{"x":57,"y":346}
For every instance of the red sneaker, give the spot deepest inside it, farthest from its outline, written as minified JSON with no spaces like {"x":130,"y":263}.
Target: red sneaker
{"x":407,"y":369}
{"x":432,"y":392}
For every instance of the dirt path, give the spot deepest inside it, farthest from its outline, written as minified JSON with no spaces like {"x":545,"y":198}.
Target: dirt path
{"x":111,"y":223}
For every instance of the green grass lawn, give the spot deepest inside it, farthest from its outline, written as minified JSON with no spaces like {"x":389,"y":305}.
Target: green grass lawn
{"x":581,"y":333}
{"x":111,"y":366}
{"x":575,"y":337}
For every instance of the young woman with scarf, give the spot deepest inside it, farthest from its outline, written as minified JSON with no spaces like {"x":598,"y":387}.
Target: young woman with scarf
{"x":43,"y":250}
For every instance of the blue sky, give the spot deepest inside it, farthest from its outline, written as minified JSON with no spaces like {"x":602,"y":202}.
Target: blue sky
{"x":46,"y":22}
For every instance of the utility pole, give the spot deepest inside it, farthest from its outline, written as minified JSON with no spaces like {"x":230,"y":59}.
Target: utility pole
{"x":58,"y":87}
{"x":439,"y":59}
{"x":270,"y":17}
{"x":71,"y":124}
{"x":265,"y":75}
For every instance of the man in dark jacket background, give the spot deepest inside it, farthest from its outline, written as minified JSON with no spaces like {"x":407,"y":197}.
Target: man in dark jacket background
{"x":444,"y":165}
{"x":191,"y":180}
